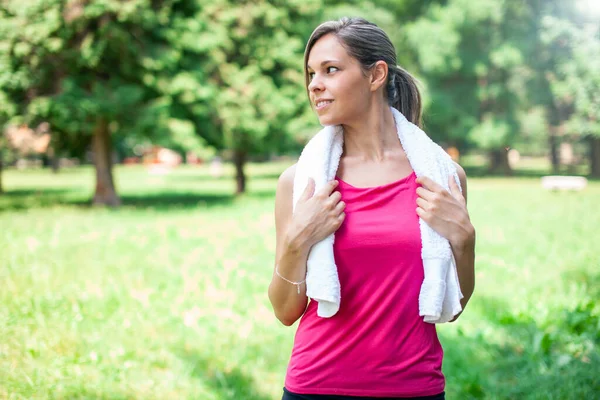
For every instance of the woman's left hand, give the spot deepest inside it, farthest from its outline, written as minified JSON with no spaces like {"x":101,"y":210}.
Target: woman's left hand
{"x":445,"y":212}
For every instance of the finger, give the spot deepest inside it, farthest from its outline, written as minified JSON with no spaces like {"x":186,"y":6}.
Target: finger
{"x":335,"y":198}
{"x":424,"y":215}
{"x":430,"y":184}
{"x":328,"y":188}
{"x":425,"y":194}
{"x":455,"y":190}
{"x":424,"y":204}
{"x":309,"y":190}
{"x":339,"y":208}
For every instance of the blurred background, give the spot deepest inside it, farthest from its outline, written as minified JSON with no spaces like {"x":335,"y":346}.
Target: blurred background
{"x":140,"y":147}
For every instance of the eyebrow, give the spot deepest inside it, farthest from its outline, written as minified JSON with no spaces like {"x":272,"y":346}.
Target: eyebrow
{"x":323,"y":63}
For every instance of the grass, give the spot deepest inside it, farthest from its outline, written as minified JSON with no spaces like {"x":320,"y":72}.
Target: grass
{"x":165,"y":298}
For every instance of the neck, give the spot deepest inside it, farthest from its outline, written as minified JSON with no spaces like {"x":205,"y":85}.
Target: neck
{"x":371,"y":135}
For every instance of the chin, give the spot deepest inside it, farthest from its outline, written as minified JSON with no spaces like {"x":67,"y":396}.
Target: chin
{"x":329,"y":120}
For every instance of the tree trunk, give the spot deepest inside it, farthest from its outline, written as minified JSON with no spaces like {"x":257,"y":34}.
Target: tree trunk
{"x":499,"y":162}
{"x":55,"y":165}
{"x":594,"y":156}
{"x":554,"y":157}
{"x":239,"y":159}
{"x":1,"y":188}
{"x":53,"y":160}
{"x":554,"y":124}
{"x":101,"y":145}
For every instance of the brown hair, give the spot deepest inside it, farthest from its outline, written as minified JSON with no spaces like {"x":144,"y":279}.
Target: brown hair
{"x":368,"y":43}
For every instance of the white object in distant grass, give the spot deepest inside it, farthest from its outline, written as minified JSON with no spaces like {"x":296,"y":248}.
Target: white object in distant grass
{"x":557,"y":182}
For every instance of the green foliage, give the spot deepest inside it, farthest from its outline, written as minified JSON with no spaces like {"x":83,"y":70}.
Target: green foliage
{"x":254,"y":69}
{"x":488,"y":65}
{"x":233,"y":70}
{"x":70,"y":63}
{"x":470,"y":61}
{"x":575,"y":81}
{"x":534,"y":137}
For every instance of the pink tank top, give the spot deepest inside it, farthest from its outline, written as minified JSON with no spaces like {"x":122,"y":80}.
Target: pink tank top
{"x":377,"y":344}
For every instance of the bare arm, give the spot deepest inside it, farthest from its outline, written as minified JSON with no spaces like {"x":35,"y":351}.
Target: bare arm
{"x":463,"y":248}
{"x":317,"y":216}
{"x":290,"y":257}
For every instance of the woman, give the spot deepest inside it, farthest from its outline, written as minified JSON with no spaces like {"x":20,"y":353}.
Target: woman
{"x":377,"y":345}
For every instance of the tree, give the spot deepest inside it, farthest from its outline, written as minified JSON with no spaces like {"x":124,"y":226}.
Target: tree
{"x":545,"y":56}
{"x":1,"y":163}
{"x":490,"y":67}
{"x":7,"y":111}
{"x":575,"y":83}
{"x":247,"y":96}
{"x":80,"y":66}
{"x":469,"y":55}
{"x":95,"y":70}
{"x":104,"y":69}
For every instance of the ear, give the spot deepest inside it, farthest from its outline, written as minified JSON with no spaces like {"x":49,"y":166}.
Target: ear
{"x":379,"y":74}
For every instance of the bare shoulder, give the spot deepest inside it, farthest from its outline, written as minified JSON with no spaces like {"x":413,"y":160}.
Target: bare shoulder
{"x":462,"y":176}
{"x":285,"y":183}
{"x":283,"y":203}
{"x":283,"y":195}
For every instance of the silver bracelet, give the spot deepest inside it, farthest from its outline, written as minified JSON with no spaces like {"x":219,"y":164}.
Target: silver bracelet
{"x":287,"y":280}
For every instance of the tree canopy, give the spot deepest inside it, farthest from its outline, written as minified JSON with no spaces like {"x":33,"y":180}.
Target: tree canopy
{"x":224,"y":74}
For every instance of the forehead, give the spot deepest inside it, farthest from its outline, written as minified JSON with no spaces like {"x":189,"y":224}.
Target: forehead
{"x":327,"y":48}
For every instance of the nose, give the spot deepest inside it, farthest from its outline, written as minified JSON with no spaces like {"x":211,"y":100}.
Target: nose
{"x":315,"y":85}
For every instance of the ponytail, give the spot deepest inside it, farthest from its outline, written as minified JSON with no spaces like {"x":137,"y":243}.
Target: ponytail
{"x":403,"y":94}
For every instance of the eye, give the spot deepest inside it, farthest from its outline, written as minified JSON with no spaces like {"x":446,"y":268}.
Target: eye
{"x":330,"y":68}
{"x":311,"y":75}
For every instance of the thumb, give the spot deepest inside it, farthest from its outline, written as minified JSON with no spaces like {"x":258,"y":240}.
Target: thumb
{"x":309,"y":190}
{"x":454,"y":189}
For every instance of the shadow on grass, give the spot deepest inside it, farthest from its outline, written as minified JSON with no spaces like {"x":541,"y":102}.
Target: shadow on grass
{"x":524,"y":360}
{"x":482,"y":172}
{"x":166,"y":201}
{"x":23,"y":199}
{"x":46,"y":198}
{"x":226,"y":384}
{"x":477,"y":369}
{"x":224,"y":178}
{"x":267,"y":175}
{"x":261,"y":193}
{"x":36,"y":192}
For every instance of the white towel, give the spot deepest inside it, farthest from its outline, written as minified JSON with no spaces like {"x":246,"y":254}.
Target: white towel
{"x":439,"y":299}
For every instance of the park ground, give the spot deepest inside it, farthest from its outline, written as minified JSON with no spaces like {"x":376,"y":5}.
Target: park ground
{"x":166,"y":297}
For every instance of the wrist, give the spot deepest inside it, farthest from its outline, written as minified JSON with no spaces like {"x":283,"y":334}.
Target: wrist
{"x":464,"y":241}
{"x":296,"y":242}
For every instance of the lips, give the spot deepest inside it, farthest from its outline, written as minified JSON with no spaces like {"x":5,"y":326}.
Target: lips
{"x":322,"y":103}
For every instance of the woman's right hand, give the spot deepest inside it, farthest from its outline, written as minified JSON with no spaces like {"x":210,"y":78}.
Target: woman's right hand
{"x":317,"y":215}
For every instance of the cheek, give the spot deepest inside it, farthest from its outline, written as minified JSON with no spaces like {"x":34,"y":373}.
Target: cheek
{"x":355,"y":98}
{"x":351,"y":96}
{"x":348,"y":86}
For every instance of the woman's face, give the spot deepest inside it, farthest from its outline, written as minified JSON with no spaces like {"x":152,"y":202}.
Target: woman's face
{"x":339,"y":91}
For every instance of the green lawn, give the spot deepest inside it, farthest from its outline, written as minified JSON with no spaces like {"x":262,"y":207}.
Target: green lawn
{"x":165,"y":298}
